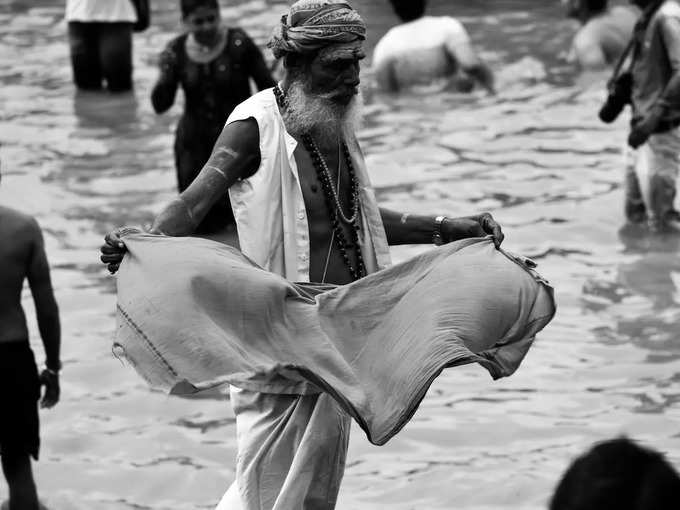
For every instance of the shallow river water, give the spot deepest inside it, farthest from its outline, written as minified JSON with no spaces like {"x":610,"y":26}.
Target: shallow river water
{"x":535,"y":155}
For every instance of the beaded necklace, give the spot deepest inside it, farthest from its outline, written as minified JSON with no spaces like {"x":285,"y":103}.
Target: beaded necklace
{"x":332,"y":198}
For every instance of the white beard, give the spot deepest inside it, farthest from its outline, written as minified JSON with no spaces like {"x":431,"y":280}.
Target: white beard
{"x":319,"y":116}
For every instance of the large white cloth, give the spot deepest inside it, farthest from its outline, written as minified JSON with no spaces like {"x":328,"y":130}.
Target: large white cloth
{"x":101,"y":11}
{"x":307,"y":357}
{"x":270,"y":210}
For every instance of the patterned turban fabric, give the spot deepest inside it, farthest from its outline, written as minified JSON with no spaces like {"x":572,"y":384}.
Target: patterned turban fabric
{"x":314,"y":24}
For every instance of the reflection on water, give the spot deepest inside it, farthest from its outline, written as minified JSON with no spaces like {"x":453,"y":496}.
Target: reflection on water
{"x":536,"y":156}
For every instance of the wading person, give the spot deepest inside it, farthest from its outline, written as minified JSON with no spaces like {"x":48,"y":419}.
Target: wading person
{"x":212,"y":64}
{"x":305,"y":210}
{"x":426,"y":49}
{"x":22,"y":256}
{"x":100,"y":39}
{"x":604,"y":33}
{"x":650,"y":81}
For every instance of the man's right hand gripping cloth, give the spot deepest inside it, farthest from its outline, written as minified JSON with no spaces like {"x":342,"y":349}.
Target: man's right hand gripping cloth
{"x":193,"y":313}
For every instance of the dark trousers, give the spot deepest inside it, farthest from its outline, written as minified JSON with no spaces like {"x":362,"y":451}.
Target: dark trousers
{"x":101,"y":52}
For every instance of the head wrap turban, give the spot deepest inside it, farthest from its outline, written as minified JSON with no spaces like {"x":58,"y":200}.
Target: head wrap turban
{"x":314,"y":24}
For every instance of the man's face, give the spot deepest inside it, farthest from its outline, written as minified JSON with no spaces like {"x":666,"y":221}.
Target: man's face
{"x":334,"y":73}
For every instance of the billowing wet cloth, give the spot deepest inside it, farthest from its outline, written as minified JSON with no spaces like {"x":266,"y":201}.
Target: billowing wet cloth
{"x":193,"y":313}
{"x":19,"y":394}
{"x":314,"y":24}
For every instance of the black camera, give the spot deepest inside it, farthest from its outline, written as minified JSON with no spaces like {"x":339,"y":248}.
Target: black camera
{"x":620,"y":92}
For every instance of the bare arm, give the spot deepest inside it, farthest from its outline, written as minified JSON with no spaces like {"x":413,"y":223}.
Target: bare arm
{"x":386,"y":77}
{"x":46,"y":307}
{"x":236,"y":156}
{"x":460,"y":50}
{"x":418,"y":229}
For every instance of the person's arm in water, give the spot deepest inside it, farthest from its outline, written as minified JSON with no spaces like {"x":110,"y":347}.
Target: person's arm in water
{"x":385,"y":76}
{"x":257,"y":67}
{"x":165,"y":89}
{"x":460,"y":50}
{"x":418,"y":229}
{"x":47,"y":313}
{"x":236,"y":156}
{"x":670,"y":98}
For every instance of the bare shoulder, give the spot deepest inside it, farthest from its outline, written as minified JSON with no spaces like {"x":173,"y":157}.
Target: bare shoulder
{"x":18,"y":226}
{"x":17,"y":220}
{"x":242,"y":133}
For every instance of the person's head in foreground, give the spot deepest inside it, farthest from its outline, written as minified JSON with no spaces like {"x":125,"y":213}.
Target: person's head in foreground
{"x":618,"y":474}
{"x":321,"y":44}
{"x":409,"y":10}
{"x":201,"y":18}
{"x":581,"y":9}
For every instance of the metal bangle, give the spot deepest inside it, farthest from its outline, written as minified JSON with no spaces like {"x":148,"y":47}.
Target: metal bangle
{"x":437,"y":238}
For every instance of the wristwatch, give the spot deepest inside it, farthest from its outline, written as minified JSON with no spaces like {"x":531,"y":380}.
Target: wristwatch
{"x":437,"y":238}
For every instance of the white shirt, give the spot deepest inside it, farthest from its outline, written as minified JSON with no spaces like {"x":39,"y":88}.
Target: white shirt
{"x":423,"y":50}
{"x":100,"y":10}
{"x":269,"y":209}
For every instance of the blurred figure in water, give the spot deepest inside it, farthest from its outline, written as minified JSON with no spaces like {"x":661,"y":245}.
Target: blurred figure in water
{"x":100,"y":38}
{"x":618,"y":474}
{"x":213,"y":64}
{"x":426,"y":49}
{"x":604,"y":33}
{"x":648,"y":79}
{"x":22,"y":256}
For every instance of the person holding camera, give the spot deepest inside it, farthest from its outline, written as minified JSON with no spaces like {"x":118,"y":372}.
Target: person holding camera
{"x":648,"y":78}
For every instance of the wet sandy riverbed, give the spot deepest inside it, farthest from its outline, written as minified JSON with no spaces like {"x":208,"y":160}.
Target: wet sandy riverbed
{"x":536,"y":156}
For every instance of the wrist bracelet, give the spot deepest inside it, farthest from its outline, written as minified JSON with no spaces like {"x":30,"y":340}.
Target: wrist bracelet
{"x":54,"y":371}
{"x":437,"y":238}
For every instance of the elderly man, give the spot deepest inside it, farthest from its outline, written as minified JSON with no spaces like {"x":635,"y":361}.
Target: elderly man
{"x":304,"y":209}
{"x":604,"y":33}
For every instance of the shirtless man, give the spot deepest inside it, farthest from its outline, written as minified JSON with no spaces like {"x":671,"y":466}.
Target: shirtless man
{"x":22,"y":256}
{"x":426,"y":49}
{"x":304,"y":209}
{"x":604,"y":33}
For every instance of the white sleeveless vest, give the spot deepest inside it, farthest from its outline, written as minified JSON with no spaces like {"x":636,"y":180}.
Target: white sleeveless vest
{"x":269,"y":208}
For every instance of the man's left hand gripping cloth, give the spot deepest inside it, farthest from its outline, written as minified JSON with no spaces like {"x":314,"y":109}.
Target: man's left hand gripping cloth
{"x":194,"y":313}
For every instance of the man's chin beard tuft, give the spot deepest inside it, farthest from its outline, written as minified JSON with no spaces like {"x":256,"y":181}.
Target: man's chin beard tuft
{"x":320,"y":116}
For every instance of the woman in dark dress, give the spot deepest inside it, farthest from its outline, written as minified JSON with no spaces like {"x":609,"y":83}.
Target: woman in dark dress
{"x":212,"y":64}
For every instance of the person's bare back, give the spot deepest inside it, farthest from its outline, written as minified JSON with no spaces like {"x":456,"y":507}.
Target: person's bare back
{"x":20,"y":258}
